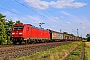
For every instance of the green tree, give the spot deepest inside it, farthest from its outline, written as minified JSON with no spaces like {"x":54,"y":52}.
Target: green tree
{"x":71,"y":34}
{"x":5,"y":28}
{"x":10,"y":25}
{"x":88,"y":37}
{"x":65,"y":32}
{"x":2,"y":18}
{"x":2,"y":28}
{"x":2,"y":33}
{"x":18,"y":22}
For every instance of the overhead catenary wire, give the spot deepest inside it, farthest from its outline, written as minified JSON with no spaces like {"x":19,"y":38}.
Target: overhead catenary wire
{"x":13,"y":6}
{"x":50,"y":13}
{"x":47,"y":9}
{"x":10,"y":6}
{"x":14,"y":12}
{"x":30,"y":9}
{"x":45,"y":12}
{"x":36,"y":12}
{"x":33,"y":10}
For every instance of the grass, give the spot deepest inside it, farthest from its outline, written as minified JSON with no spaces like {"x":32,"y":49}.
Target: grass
{"x":87,"y":51}
{"x":76,"y":54}
{"x":51,"y":54}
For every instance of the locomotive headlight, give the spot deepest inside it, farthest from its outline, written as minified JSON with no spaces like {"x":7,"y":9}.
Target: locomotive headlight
{"x":20,"y":33}
{"x":13,"y":33}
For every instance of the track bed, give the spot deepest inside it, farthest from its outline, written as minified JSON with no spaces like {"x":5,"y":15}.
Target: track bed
{"x":77,"y":53}
{"x":15,"y":51}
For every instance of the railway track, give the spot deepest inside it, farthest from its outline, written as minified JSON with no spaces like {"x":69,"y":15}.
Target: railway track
{"x":14,"y":51}
{"x":78,"y":53}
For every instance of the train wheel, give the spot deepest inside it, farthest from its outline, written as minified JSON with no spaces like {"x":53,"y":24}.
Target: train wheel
{"x":26,"y":41}
{"x":20,"y":42}
{"x":14,"y":42}
{"x":35,"y":42}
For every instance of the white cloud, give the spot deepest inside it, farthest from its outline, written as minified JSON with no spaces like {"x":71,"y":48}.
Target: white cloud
{"x":62,"y":16}
{"x":68,"y":22}
{"x":39,"y":4}
{"x":81,"y":22}
{"x":83,"y":27}
{"x":66,"y":3}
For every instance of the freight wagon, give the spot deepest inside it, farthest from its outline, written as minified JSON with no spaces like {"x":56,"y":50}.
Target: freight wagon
{"x":66,"y":37}
{"x":56,"y":36}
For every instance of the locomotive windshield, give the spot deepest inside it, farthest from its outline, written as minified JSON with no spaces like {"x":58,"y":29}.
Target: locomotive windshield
{"x":18,"y":28}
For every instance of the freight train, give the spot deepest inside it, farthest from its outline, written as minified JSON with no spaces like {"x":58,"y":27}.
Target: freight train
{"x":28,"y":33}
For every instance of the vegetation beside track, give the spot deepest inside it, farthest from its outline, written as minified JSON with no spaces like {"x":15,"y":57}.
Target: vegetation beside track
{"x":52,"y":54}
{"x":87,"y":51}
{"x":5,"y":29}
{"x":76,"y":54}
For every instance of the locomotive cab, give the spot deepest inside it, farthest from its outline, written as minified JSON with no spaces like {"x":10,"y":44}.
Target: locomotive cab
{"x":17,"y":33}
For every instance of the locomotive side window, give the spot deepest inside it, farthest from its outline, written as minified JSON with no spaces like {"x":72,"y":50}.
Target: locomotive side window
{"x":15,"y":28}
{"x":18,"y":28}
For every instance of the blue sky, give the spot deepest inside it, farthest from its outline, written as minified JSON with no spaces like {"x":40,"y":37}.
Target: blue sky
{"x":67,"y":15}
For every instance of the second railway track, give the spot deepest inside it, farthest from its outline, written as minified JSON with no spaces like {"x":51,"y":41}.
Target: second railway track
{"x":77,"y":53}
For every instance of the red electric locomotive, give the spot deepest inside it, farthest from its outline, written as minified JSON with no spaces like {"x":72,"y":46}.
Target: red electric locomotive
{"x":28,"y":34}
